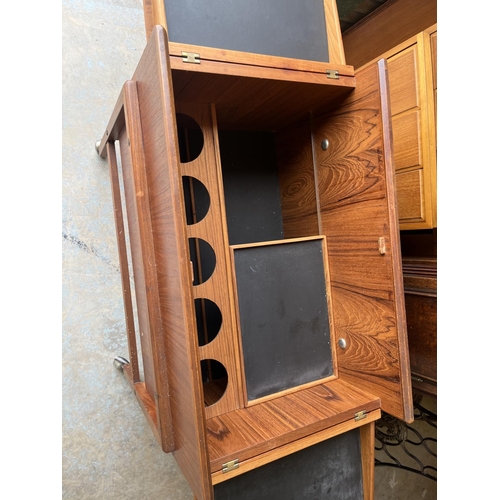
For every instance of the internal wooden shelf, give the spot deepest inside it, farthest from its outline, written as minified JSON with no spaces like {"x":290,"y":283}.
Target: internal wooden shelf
{"x":256,"y":98}
{"x":248,"y":432}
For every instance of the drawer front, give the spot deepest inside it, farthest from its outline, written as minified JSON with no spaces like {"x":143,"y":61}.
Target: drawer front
{"x":406,"y":137}
{"x":409,"y":192}
{"x":403,"y":80}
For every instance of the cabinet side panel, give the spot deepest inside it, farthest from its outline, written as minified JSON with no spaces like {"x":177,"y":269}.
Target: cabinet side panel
{"x":157,"y":111}
{"x":359,"y":217}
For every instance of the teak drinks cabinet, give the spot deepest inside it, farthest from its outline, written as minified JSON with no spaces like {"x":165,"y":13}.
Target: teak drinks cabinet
{"x":259,"y":250}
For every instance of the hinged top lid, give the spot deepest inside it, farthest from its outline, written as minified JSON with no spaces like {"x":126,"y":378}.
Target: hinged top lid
{"x":289,"y":34}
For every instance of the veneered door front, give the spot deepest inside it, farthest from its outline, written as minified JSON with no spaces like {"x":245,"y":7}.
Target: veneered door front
{"x":358,"y":214}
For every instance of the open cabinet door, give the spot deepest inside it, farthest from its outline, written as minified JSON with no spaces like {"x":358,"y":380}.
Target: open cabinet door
{"x":144,"y":122}
{"x":358,"y":214}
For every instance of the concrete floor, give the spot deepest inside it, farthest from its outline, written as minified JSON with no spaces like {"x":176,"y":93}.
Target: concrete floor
{"x":108,"y":450}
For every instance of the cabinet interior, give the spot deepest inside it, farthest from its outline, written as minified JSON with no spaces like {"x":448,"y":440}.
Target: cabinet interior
{"x":268,"y":195}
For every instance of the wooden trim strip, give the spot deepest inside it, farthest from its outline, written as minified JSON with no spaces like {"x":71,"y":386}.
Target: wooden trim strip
{"x":115,"y":125}
{"x":173,"y":272}
{"x":122,"y":257}
{"x":272,"y":73}
{"x":229,"y":269}
{"x":148,"y":16}
{"x":257,"y":61}
{"x":333,"y":32}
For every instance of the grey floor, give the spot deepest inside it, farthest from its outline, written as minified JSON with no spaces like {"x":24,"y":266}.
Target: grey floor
{"x":108,"y":451}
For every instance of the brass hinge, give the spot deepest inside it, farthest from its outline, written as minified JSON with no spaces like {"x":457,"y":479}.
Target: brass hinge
{"x":332,"y":73}
{"x":190,"y":57}
{"x":360,"y":415}
{"x":229,"y":466}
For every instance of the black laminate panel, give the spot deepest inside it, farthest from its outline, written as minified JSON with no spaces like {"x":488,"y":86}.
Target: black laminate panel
{"x":251,"y":186}
{"x":328,"y":470}
{"x":284,"y":317}
{"x":286,"y":28}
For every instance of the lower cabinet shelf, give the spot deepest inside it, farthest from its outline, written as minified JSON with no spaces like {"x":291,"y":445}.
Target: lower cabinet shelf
{"x":273,"y":425}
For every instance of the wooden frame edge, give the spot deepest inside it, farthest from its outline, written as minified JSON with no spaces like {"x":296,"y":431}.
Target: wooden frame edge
{"x":334,"y":33}
{"x":398,"y":286}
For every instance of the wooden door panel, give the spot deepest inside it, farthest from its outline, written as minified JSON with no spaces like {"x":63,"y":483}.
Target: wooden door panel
{"x":356,"y":244}
{"x":357,"y":175}
{"x":358,"y":212}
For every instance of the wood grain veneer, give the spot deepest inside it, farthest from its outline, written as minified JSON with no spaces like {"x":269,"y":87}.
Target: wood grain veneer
{"x":258,"y":429}
{"x":367,"y":445}
{"x":349,"y":196}
{"x":403,"y":79}
{"x":357,"y":207}
{"x":410,"y":192}
{"x":407,"y":146}
{"x":299,"y":204}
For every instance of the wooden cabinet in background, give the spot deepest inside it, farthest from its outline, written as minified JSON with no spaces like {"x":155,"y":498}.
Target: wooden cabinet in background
{"x":433,"y":36}
{"x":412,"y":90}
{"x":420,"y":283}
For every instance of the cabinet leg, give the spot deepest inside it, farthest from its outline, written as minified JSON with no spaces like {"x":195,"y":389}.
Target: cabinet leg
{"x":367,"y":435}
